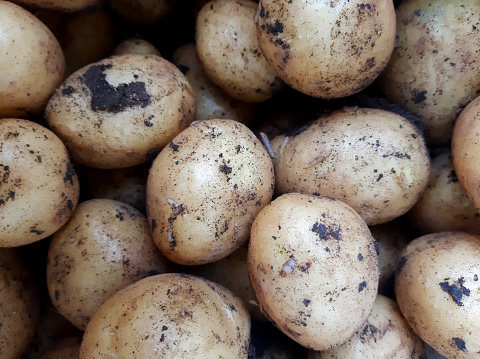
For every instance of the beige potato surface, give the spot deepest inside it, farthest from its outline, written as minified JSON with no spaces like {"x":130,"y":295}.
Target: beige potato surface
{"x":373,"y":160}
{"x":134,"y":45}
{"x":204,"y":190}
{"x":105,"y":246}
{"x":229,"y":51}
{"x":120,"y":111}
{"x":313,"y":268}
{"x":437,"y":290}
{"x":169,"y":316}
{"x":39,"y":188}
{"x":33,"y":64}
{"x":326,"y":49}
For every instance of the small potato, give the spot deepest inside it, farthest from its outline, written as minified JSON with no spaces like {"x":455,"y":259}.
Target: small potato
{"x":120,"y":111}
{"x":313,"y":268}
{"x":39,"y":189}
{"x":135,"y":46}
{"x":204,"y":190}
{"x":228,"y":49}
{"x":143,"y":12}
{"x":374,"y":160}
{"x":169,"y":316}
{"x":385,"y":334}
{"x":32,"y":62}
{"x":438,"y":291}
{"x":105,"y":246}
{"x":19,"y":304}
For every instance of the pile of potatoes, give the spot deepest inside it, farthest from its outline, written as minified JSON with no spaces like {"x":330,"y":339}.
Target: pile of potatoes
{"x":239,"y":179}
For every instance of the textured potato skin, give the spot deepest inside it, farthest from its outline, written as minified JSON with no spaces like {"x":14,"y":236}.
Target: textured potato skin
{"x":33,"y":64}
{"x":373,"y":160}
{"x":205,"y":188}
{"x":39,"y":188}
{"x":59,"y":5}
{"x":104,"y":247}
{"x":169,"y":316}
{"x":313,"y":268}
{"x":120,"y":111}
{"x":437,"y":290}
{"x":326,"y":49}
{"x":438,"y":41}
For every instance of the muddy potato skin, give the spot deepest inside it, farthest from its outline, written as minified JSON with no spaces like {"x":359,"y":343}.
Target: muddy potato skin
{"x":212,"y":101}
{"x":120,"y":111}
{"x":373,"y":160}
{"x":33,"y":64}
{"x":313,"y":268}
{"x":438,"y":40}
{"x":169,"y":316}
{"x":205,"y":188}
{"x":437,"y":290}
{"x":385,"y":334}
{"x":105,"y":246}
{"x":326,"y":49}
{"x":39,"y":189}
{"x":19,"y":304}
{"x":228,"y":49}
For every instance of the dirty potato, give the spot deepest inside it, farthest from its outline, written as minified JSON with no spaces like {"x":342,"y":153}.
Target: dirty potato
{"x":134,"y":45}
{"x":205,"y":188}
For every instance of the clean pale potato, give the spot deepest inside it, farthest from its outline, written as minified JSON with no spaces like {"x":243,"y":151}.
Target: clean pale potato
{"x":313,"y":268}
{"x":169,"y":316}
{"x":32,"y":65}
{"x":104,"y":247}
{"x":374,"y":160}
{"x":205,"y":188}
{"x":228,"y":49}
{"x":121,"y":111}
{"x":39,"y":188}
{"x":324,"y":48}
{"x":438,"y":291}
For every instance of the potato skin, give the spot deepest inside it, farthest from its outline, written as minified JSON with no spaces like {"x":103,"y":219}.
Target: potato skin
{"x":39,"y":188}
{"x":169,"y":316}
{"x":59,"y":5}
{"x":205,"y":188}
{"x":373,"y":160}
{"x":437,"y":290}
{"x":313,"y":268}
{"x":326,"y":49}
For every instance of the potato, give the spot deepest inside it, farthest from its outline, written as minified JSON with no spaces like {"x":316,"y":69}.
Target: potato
{"x":228,"y":49}
{"x":204,"y":190}
{"x":134,"y":45}
{"x":59,"y":5}
{"x":142,"y":12}
{"x":437,"y":289}
{"x":313,"y":268}
{"x":385,"y":334}
{"x":33,"y":64}
{"x":105,"y":246}
{"x":444,"y":206}
{"x":326,"y":49}
{"x":438,"y":41}
{"x":212,"y":101}
{"x":39,"y":189}
{"x":120,"y":111}
{"x":19,"y":304}
{"x":373,"y":160}
{"x":169,"y":316}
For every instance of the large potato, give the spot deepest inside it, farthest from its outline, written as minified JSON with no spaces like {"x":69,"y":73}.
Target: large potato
{"x":313,"y":268}
{"x":120,"y":111}
{"x":204,"y":190}
{"x":169,"y":316}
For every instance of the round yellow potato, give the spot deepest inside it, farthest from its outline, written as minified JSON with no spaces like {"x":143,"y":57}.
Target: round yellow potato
{"x":228,"y":49}
{"x":313,"y":268}
{"x":134,"y":45}
{"x":438,"y":291}
{"x":204,"y":190}
{"x":169,"y":316}
{"x":120,"y":111}
{"x":32,"y":65}
{"x":374,"y":160}
{"x":104,"y":247}
{"x":39,"y":189}
{"x":326,"y":49}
